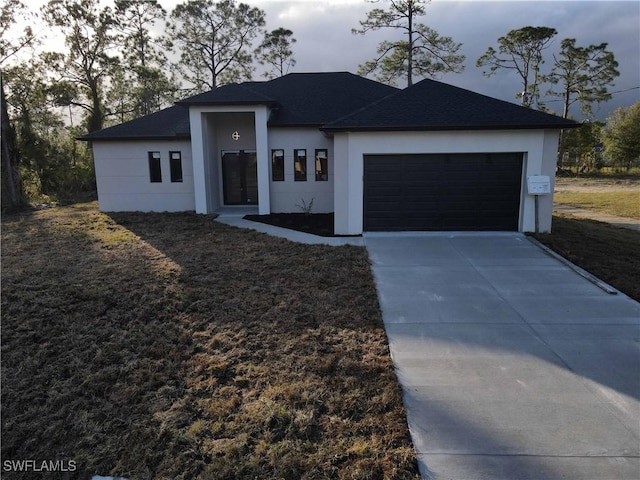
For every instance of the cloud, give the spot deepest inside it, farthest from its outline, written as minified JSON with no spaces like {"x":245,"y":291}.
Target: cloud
{"x":325,"y":42}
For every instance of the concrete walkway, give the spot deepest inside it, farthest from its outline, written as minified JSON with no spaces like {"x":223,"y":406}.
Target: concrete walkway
{"x":513,"y":366}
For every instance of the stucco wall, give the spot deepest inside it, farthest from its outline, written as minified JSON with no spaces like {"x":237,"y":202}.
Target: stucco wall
{"x":123,"y":181}
{"x":286,"y":194}
{"x":540,"y":156}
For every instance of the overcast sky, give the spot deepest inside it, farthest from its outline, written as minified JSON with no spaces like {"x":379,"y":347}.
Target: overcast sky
{"x":325,"y":42}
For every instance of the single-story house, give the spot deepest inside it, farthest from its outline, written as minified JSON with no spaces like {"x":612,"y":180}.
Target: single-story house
{"x":428,"y":157}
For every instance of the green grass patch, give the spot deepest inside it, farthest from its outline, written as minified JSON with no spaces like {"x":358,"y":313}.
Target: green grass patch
{"x":609,"y":253}
{"x":171,"y":346}
{"x":622,"y":203}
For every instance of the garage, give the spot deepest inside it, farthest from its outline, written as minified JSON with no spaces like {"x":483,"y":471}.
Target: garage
{"x":454,"y":192}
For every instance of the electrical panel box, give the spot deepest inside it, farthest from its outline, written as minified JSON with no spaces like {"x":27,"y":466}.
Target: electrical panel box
{"x":539,"y":185}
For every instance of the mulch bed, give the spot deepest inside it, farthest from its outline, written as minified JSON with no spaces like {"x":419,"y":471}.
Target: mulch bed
{"x":315,"y":223}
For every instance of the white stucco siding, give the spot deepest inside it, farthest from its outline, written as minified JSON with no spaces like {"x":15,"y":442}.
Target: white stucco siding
{"x":341,"y":195}
{"x":548,"y":168}
{"x":287,"y":194}
{"x":123,"y":178}
{"x":538,"y":146}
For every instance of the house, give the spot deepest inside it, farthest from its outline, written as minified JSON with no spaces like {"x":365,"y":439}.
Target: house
{"x":429,"y":157}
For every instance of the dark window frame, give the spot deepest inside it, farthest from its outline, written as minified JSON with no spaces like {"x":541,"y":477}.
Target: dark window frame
{"x":300,"y":175}
{"x":175,"y":166}
{"x":155,"y":167}
{"x":322,"y":174}
{"x":277,"y":168}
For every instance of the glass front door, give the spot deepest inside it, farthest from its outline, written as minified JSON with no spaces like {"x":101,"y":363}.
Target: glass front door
{"x":240,"y":178}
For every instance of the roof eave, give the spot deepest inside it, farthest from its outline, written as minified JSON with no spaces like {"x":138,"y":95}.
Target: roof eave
{"x":295,"y":125}
{"x":88,"y":138}
{"x":441,"y":128}
{"x":229,"y":103}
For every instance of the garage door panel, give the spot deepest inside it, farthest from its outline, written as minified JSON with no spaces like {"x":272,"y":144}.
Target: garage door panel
{"x":386,"y":191}
{"x":442,"y":192}
{"x":460,"y":190}
{"x":386,"y":178}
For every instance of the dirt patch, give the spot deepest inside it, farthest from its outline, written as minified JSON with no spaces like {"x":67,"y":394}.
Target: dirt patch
{"x":171,"y":346}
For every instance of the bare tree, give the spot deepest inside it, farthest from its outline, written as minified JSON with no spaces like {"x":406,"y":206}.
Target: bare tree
{"x":424,"y":52}
{"x":275,"y":50}
{"x":214,"y":40}
{"x":89,"y":36}
{"x":143,"y":84}
{"x":520,"y":50}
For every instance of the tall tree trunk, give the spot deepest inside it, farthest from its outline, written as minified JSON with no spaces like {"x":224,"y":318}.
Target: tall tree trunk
{"x":410,"y":52}
{"x":12,"y":194}
{"x":565,"y":114}
{"x":96,"y":118}
{"x":561,"y":149}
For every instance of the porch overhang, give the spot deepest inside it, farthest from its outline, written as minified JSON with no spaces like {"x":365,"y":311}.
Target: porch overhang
{"x":205,"y":149}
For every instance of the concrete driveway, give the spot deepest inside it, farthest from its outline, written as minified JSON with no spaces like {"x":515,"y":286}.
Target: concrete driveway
{"x":512,"y":365}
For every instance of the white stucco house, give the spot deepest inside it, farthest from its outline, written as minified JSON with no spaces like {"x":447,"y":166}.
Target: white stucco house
{"x":429,"y":157}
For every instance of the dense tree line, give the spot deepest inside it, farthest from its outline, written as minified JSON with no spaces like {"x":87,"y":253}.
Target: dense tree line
{"x":115,"y":66}
{"x":614,"y":143}
{"x":135,"y":58}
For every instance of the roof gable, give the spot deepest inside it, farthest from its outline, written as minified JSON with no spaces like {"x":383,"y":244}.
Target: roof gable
{"x":314,"y":99}
{"x":296,"y":99}
{"x":230,"y":94}
{"x":342,"y":101}
{"x":300,"y":99}
{"x":433,"y":105}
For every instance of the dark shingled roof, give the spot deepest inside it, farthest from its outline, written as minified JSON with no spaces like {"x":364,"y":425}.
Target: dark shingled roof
{"x":342,"y":101}
{"x":313,"y":99}
{"x":300,"y":99}
{"x":296,"y":99}
{"x":231,"y":94}
{"x":432,"y":105}
{"x":172,"y":122}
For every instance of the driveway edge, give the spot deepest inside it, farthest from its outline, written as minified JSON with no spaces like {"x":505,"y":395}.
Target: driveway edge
{"x":580,"y":271}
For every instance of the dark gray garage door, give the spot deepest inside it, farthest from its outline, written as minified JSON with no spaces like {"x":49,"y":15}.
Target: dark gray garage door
{"x":477,"y":191}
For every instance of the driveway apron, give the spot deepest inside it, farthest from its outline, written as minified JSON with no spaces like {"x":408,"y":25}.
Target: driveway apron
{"x":512,"y":365}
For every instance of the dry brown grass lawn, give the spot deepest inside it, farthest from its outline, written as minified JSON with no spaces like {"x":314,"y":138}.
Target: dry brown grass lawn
{"x":169,"y":346}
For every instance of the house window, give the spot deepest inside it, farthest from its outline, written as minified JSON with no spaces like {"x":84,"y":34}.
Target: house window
{"x":322,"y":167}
{"x":175,"y":166}
{"x":300,"y":165}
{"x":155,"y":170}
{"x":277,"y":165}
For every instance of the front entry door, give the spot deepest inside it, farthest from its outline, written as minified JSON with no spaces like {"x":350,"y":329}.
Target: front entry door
{"x":240,"y":178}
